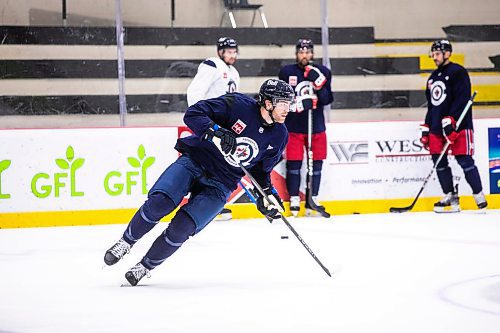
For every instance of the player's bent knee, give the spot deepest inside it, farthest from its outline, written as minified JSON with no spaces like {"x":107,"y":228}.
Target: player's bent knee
{"x":157,"y":206}
{"x":180,"y":228}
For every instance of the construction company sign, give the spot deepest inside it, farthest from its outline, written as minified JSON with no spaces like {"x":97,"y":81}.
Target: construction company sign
{"x":385,"y":160}
{"x":81,"y":169}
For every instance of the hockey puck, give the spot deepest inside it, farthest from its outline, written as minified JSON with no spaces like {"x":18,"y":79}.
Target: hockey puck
{"x":284,"y":237}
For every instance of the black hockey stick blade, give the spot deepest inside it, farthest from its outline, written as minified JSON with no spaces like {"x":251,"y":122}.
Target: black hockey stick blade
{"x":310,"y":204}
{"x":400,"y":209}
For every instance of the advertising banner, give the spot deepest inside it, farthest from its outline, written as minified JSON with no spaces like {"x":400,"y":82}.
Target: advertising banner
{"x":81,"y":169}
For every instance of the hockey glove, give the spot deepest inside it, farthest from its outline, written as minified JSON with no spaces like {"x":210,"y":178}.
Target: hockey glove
{"x":314,"y":75}
{"x":227,"y":138}
{"x":270,"y":210}
{"x":449,"y":132}
{"x":306,"y":102}
{"x":424,"y":139}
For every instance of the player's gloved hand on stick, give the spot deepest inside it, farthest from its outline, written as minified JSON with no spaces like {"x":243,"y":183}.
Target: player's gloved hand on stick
{"x":306,"y":102}
{"x":424,"y":139}
{"x":314,"y":75}
{"x":274,"y":208}
{"x":449,"y":132}
{"x":227,"y":138}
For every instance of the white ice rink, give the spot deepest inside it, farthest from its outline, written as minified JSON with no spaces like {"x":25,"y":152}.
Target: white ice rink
{"x":413,"y":272}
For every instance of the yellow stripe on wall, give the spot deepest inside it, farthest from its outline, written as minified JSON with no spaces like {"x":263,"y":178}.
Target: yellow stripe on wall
{"x":240,"y":211}
{"x":427,"y":63}
{"x":487,"y":92}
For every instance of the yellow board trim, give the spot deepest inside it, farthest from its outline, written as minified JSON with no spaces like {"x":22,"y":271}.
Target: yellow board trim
{"x":239,"y":211}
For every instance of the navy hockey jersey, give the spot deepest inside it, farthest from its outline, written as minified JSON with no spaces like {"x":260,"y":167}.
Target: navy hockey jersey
{"x":259,"y":147}
{"x":296,"y":122}
{"x":448,"y":91}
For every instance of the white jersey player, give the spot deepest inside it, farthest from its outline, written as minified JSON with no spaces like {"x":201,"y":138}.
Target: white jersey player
{"x":216,"y":76}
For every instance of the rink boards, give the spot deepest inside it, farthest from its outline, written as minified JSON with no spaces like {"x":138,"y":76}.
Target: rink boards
{"x":102,"y":175}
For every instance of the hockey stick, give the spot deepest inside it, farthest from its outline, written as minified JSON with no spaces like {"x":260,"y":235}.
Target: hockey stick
{"x":309,"y":184}
{"x":443,"y":152}
{"x":266,"y":197}
{"x":216,"y":141}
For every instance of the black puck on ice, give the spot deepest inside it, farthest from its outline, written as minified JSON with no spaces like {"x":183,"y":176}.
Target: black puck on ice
{"x":284,"y":237}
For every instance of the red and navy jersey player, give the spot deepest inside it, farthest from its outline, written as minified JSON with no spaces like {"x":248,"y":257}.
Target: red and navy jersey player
{"x":448,"y":91}
{"x":233,"y":124}
{"x":312,"y":85}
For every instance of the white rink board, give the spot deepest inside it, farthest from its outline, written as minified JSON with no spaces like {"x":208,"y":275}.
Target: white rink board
{"x":104,"y":150}
{"x":383,"y":160}
{"x":108,"y":153}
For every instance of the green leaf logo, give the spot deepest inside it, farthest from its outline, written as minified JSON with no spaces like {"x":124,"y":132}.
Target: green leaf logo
{"x":63,"y":164}
{"x":134,"y":162}
{"x":70,"y":153}
{"x":141,"y":152}
{"x":148,"y":162}
{"x":5,"y":164}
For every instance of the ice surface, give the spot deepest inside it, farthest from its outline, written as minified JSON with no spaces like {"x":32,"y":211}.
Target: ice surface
{"x":412,"y":272}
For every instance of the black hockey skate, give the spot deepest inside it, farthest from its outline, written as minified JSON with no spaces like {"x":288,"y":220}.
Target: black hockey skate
{"x":450,"y":203}
{"x":116,"y":252}
{"x":136,"y":273}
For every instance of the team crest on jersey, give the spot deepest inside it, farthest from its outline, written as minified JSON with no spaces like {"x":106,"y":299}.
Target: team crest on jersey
{"x":438,"y":93}
{"x":292,"y":80}
{"x":238,"y":126}
{"x":246,"y":151}
{"x":224,"y":75}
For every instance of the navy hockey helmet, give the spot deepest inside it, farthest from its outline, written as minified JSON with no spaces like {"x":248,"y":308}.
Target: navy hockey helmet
{"x":304,"y":45}
{"x":275,"y":91}
{"x":226,"y":43}
{"x":441,"y":45}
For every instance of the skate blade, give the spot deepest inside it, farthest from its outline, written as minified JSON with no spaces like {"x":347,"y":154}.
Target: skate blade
{"x":450,"y":209}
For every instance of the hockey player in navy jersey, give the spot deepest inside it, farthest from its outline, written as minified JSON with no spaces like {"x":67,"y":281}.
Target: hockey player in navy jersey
{"x":252,"y":131}
{"x":216,"y":76}
{"x":448,"y":91}
{"x":312,"y":85}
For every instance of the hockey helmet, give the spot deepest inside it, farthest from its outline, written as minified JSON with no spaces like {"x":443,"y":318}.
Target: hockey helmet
{"x":304,"y":45}
{"x":275,"y":91}
{"x":226,"y":43}
{"x":441,"y":45}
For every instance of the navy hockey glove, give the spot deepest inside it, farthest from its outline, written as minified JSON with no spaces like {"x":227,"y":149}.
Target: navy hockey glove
{"x":424,"y":139}
{"x":270,"y":210}
{"x":449,"y":132}
{"x":227,"y":138}
{"x":315,"y":76}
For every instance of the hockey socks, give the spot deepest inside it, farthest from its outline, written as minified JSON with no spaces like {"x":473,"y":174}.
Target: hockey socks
{"x":293,"y":177}
{"x":471,"y":173}
{"x":180,"y":228}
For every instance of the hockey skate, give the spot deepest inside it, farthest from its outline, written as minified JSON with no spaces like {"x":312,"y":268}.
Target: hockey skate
{"x":480,"y":200}
{"x":116,"y":252}
{"x":136,"y":273}
{"x":314,"y":208}
{"x":450,"y":203}
{"x":224,"y":215}
{"x":295,"y":205}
